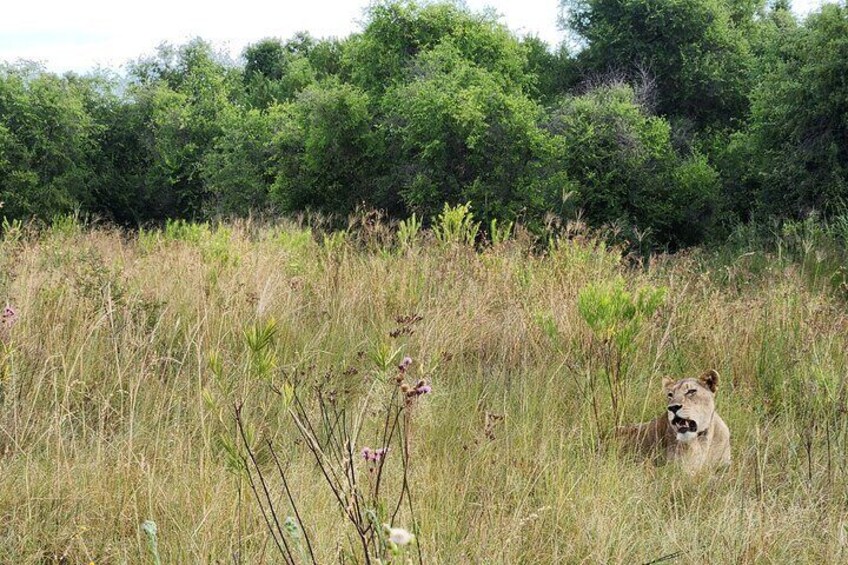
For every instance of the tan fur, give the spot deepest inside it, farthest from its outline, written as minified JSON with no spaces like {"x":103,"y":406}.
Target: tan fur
{"x":706,"y":448}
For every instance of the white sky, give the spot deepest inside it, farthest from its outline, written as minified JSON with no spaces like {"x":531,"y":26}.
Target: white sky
{"x":80,"y":35}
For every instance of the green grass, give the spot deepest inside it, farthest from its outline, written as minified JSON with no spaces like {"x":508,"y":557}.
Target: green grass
{"x":120,"y":376}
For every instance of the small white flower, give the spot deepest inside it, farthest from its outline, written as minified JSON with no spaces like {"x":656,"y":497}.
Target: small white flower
{"x":149,"y":528}
{"x":399,"y":536}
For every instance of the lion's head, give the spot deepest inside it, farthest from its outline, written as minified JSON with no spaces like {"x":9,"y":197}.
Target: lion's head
{"x":691,"y":404}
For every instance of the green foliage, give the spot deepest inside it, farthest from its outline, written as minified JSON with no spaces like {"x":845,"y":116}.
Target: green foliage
{"x":189,"y":232}
{"x":676,"y":121}
{"x":498,"y":232}
{"x":65,"y":225}
{"x":334,"y":244}
{"x":397,"y":32}
{"x":189,"y":104}
{"x":551,"y":73}
{"x":275,"y":71}
{"x":696,"y":50}
{"x":240,"y":168}
{"x":295,"y":240}
{"x":456,"y":134}
{"x":260,"y":340}
{"x":456,"y":225}
{"x":321,"y":151}
{"x":265,"y":58}
{"x":621,"y":162}
{"x":616,"y":314}
{"x":48,"y":143}
{"x":408,"y":231}
{"x":799,"y":118}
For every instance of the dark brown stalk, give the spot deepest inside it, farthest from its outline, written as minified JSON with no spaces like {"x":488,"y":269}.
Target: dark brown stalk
{"x":264,"y":513}
{"x":330,"y":482}
{"x":386,"y":443}
{"x":250,"y":453}
{"x":291,"y":500}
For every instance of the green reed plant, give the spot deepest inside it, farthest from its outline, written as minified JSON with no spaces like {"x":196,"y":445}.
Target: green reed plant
{"x":408,"y":232}
{"x":615,"y":315}
{"x":456,"y":225}
{"x":500,"y":232}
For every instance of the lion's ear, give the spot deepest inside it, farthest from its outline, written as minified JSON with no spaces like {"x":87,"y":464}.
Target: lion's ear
{"x":710,"y":379}
{"x":667,"y":382}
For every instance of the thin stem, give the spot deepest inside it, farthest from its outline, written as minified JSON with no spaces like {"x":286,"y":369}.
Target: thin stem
{"x":262,"y":509}
{"x":291,"y":500}
{"x":250,"y":453}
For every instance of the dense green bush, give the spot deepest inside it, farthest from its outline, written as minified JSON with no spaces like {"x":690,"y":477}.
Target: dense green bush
{"x":456,"y":134}
{"x":275,"y":71}
{"x":621,"y":162}
{"x":397,"y":31}
{"x":188,"y":99}
{"x":322,"y":149}
{"x":240,"y":169}
{"x":48,"y":143}
{"x":799,"y":118}
{"x":696,"y":50}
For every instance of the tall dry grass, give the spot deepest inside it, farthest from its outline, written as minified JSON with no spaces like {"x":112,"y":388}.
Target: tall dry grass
{"x":120,"y":375}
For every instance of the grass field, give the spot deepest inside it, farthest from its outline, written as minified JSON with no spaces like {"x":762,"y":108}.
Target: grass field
{"x":129,"y":353}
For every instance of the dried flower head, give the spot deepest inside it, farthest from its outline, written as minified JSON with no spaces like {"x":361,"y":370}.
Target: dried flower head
{"x":149,"y":528}
{"x":398,"y":536}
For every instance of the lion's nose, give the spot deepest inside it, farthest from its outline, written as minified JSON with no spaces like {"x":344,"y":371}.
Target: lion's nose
{"x":674,"y":408}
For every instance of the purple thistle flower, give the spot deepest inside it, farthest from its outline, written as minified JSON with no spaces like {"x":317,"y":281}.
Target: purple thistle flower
{"x":9,"y":312}
{"x":374,"y":455}
{"x":9,"y":317}
{"x":424,"y":389}
{"x":405,"y":364}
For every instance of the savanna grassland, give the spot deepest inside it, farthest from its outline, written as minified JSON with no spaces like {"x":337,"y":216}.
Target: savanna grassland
{"x":129,"y":353}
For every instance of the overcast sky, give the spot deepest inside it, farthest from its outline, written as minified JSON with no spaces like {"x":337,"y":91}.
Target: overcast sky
{"x":80,"y":35}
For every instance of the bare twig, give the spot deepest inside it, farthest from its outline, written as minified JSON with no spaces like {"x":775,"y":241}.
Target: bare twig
{"x":291,"y":500}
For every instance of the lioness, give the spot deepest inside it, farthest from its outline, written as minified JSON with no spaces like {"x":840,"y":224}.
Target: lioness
{"x":690,"y":432}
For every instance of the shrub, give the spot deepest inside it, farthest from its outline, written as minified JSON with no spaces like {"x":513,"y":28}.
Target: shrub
{"x":322,"y":150}
{"x":621,"y":162}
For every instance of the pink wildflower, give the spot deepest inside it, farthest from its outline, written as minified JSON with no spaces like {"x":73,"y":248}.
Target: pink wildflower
{"x":374,"y":455}
{"x":9,"y":317}
{"x":405,"y":364}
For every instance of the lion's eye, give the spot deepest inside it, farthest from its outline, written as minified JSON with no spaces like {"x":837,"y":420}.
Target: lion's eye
{"x":690,"y":392}
{"x":670,"y":395}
